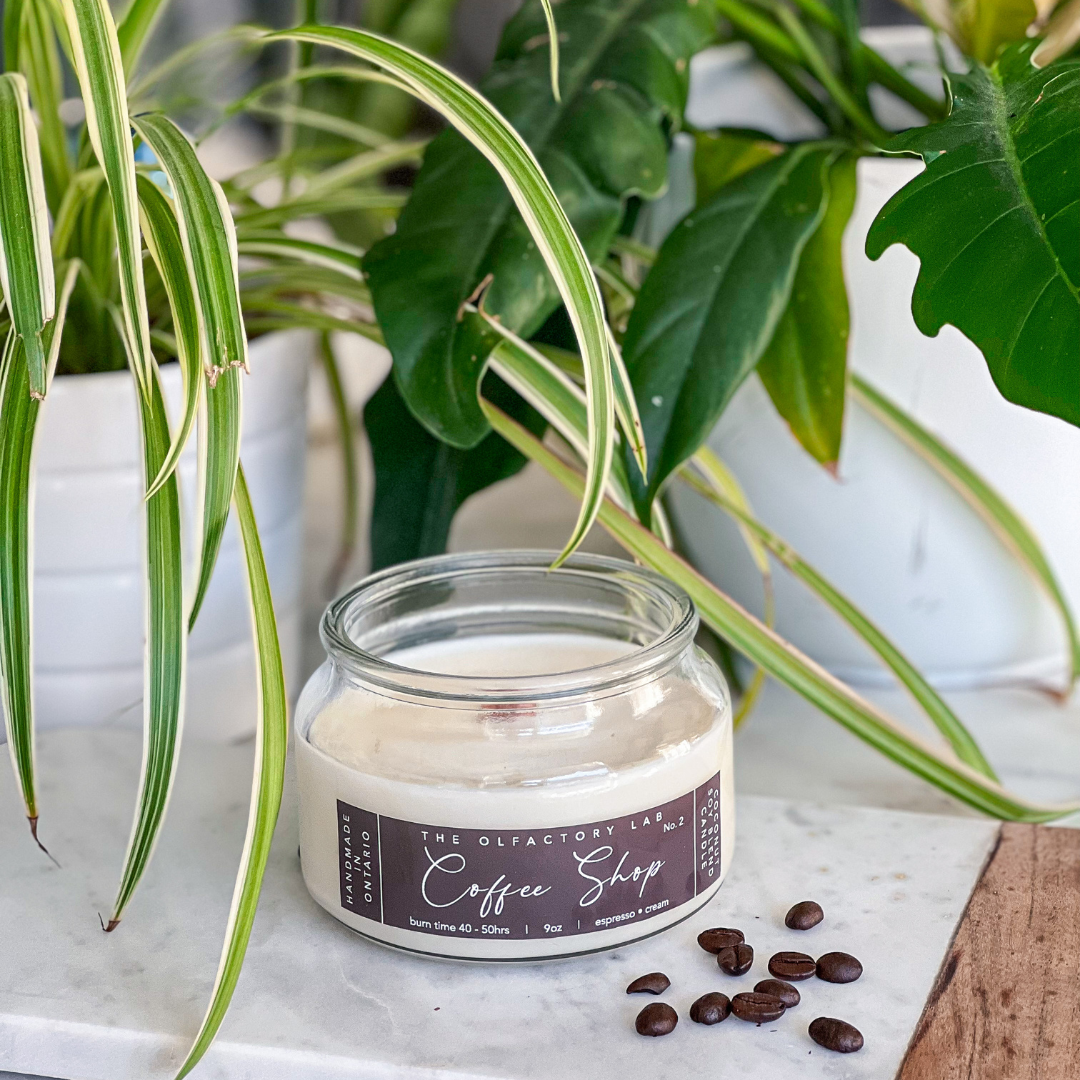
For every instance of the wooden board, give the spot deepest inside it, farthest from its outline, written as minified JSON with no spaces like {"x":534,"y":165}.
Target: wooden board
{"x":1006,"y":1005}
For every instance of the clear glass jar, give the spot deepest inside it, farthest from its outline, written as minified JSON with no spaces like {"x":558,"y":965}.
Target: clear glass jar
{"x":503,"y":762}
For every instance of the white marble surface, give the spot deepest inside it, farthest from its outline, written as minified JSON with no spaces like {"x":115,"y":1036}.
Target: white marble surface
{"x":315,"y":1001}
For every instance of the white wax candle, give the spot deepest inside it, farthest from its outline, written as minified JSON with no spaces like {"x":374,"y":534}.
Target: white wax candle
{"x":516,"y":777}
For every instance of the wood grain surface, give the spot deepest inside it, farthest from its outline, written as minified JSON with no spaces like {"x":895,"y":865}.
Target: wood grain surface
{"x":1006,"y":1005}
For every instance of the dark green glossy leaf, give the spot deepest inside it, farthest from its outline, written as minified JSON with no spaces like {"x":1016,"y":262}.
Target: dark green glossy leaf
{"x":420,"y":481}
{"x":995,"y":221}
{"x":624,"y":70}
{"x":711,"y":303}
{"x":804,"y":368}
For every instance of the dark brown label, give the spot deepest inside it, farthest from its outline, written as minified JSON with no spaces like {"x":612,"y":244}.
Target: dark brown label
{"x":529,"y":883}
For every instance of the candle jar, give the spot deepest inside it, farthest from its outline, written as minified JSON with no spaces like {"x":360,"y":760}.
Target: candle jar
{"x":499,"y":761}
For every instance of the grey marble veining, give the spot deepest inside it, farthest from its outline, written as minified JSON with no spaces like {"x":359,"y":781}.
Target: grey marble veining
{"x":316,"y":1002}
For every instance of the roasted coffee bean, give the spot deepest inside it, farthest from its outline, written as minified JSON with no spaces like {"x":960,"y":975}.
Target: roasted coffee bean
{"x":836,"y":1035}
{"x":710,"y":1009}
{"x":655,"y":982}
{"x":792,"y":966}
{"x":718,"y":938}
{"x":777,"y":989}
{"x":757,"y":1008}
{"x":656,"y":1019}
{"x":736,"y":960}
{"x":804,"y":916}
{"x":838,"y":967}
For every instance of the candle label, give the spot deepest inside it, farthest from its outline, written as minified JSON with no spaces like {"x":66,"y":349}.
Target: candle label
{"x":529,"y":883}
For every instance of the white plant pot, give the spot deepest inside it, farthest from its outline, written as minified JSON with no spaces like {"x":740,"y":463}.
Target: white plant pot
{"x":88,"y":571}
{"x":889,"y":533}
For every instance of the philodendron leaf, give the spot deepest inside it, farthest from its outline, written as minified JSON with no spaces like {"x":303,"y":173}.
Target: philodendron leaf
{"x":26,"y":270}
{"x":804,"y":368}
{"x":720,"y":156}
{"x":994,"y":220}
{"x":420,"y":481}
{"x":712,"y":301}
{"x":624,"y":72}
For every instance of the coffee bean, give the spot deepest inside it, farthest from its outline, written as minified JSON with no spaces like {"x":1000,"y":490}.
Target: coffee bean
{"x":710,"y":1009}
{"x":836,"y":1035}
{"x":736,"y":960}
{"x":718,"y":938}
{"x":804,"y":916}
{"x":655,"y":982}
{"x":792,"y":966}
{"x":838,"y":967}
{"x":777,"y":989}
{"x":656,"y":1019}
{"x":757,"y":1008}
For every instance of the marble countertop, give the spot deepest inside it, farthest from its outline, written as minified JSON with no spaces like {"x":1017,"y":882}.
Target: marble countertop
{"x":316,"y":1002}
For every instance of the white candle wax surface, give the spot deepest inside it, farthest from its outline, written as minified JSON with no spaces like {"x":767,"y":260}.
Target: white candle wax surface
{"x":510,"y":774}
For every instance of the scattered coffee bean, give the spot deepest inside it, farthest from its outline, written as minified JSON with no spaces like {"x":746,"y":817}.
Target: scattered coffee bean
{"x":710,"y":1009}
{"x":777,"y":989}
{"x":835,"y":1035}
{"x":804,"y":916}
{"x":655,"y":982}
{"x":838,"y":967}
{"x":757,"y":1008}
{"x":718,"y":938}
{"x":736,"y":960}
{"x":792,"y":966}
{"x":656,"y":1019}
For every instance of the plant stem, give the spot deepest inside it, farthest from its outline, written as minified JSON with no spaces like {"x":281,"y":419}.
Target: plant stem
{"x":877,"y":67}
{"x":821,"y":71}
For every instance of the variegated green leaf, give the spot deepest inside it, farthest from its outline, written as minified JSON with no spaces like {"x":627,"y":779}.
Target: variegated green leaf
{"x":137,"y":23}
{"x":26,"y":271}
{"x":209,"y":242}
{"x":350,"y":479}
{"x":166,"y":648}
{"x":18,"y":425}
{"x":270,"y":742}
{"x":342,"y":258}
{"x":784,"y":662}
{"x":162,"y":233}
{"x":96,"y":54}
{"x":944,"y":719}
{"x":546,"y":220}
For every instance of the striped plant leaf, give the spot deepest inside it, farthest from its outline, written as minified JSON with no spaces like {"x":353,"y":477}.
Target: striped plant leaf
{"x":724,"y":481}
{"x":136,"y":24}
{"x":626,"y":407}
{"x":944,"y":719}
{"x":784,"y":662}
{"x":39,"y":61}
{"x":546,"y":220}
{"x":165,"y":664}
{"x":350,"y":478}
{"x":18,"y":426}
{"x":162,"y":232}
{"x":340,"y":257}
{"x":1003,"y":520}
{"x":26,"y":270}
{"x":270,"y":742}
{"x":96,"y":55}
{"x":209,"y":245}
{"x":553,"y":47}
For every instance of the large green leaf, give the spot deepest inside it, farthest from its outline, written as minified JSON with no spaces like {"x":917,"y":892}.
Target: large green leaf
{"x":804,"y":368}
{"x":420,"y":481}
{"x":994,"y":220}
{"x":271,"y":739}
{"x":712,"y":301}
{"x":624,"y":71}
{"x":549,"y":229}
{"x":784,"y":662}
{"x":26,"y":271}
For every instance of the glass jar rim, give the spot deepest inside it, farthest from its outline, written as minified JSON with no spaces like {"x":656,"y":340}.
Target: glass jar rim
{"x":644,"y":662}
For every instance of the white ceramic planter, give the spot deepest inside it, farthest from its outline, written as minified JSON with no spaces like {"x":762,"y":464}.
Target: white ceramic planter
{"x":889,"y":533}
{"x":88,"y":577}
